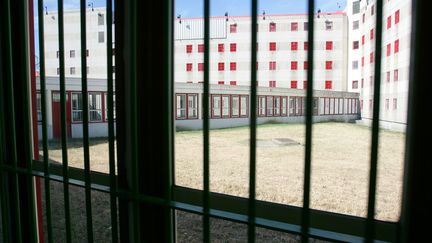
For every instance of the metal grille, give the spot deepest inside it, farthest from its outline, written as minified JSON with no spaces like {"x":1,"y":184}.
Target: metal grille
{"x":17,"y":172}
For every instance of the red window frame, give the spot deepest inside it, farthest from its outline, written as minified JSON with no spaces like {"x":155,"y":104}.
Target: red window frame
{"x":293,"y":84}
{"x":371,"y":57}
{"x":362,"y":61}
{"x":389,"y":18}
{"x":188,"y":67}
{"x":272,"y":84}
{"x":221,"y":47}
{"x":305,"y":84}
{"x":272,"y":46}
{"x":294,"y":46}
{"x":371,"y":34}
{"x":233,"y":47}
{"x":233,"y":83}
{"x":355,"y":84}
{"x":305,"y":45}
{"x":355,"y":45}
{"x":363,"y":39}
{"x":388,"y":53}
{"x":272,"y":27}
{"x":397,"y":16}
{"x":233,"y":66}
{"x":221,"y":82}
{"x":221,"y":66}
{"x":233,"y":28}
{"x":396,"y":46}
{"x":305,"y":65}
{"x":272,"y":65}
{"x":188,"y":48}
{"x":329,"y":65}
{"x":294,"y":26}
{"x":187,"y":106}
{"x":329,"y":45}
{"x":200,"y":48}
{"x":328,"y":84}
{"x":388,"y":76}
{"x":294,"y":65}
{"x":396,"y":75}
{"x":200,"y":67}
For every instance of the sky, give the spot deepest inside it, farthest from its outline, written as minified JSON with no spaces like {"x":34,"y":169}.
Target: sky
{"x":194,"y":8}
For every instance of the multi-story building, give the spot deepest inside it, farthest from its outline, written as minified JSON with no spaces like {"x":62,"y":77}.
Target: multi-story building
{"x":395,"y":49}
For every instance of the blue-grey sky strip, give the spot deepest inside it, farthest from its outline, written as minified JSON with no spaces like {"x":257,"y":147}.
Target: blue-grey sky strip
{"x":194,"y":8}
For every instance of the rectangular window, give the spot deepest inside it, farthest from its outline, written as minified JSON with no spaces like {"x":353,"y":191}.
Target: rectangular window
{"x":305,"y":65}
{"x":355,"y":84}
{"x":226,"y":106}
{"x":200,"y":48}
{"x":396,"y":75}
{"x":72,"y":53}
{"x":101,"y":37}
{"x":356,"y":7}
{"x":370,"y":104}
{"x":397,"y":16}
{"x":221,"y":82}
{"x":221,"y":48}
{"x":396,"y":46}
{"x":233,"y":47}
{"x":272,"y":65}
{"x":371,"y":80}
{"x":87,"y":52}
{"x":371,"y":34}
{"x":269,"y":105}
{"x":233,"y":66}
{"x":355,"y":65}
{"x":388,"y":76}
{"x":294,"y":26}
{"x":395,"y":104}
{"x":216,"y":106}
{"x":283,"y":106}
{"x":294,"y":46}
{"x":293,"y":84}
{"x":362,"y":82}
{"x":329,"y":65}
{"x":272,"y":46}
{"x":200,"y":67}
{"x":305,"y":26}
{"x":362,"y":61}
{"x":261,"y":105}
{"x":272,"y":27}
{"x":272,"y":84}
{"x":243,"y":106}
{"x":355,"y":25}
{"x":188,"y":67}
{"x":39,"y":107}
{"x":221,"y":66}
{"x":371,"y":57}
{"x":355,"y":45}
{"x":329,"y":45}
{"x":233,"y":83}
{"x":57,"y":54}
{"x":363,"y":39}
{"x":389,"y":18}
{"x":388,"y":53}
{"x":373,"y":10}
{"x":192,"y":108}
{"x":95,"y":107}
{"x":58,"y":71}
{"x":77,"y":107}
{"x":305,"y":84}
{"x":100,"y":19}
{"x":305,"y":45}
{"x":293,"y":65}
{"x":329,"y":25}
{"x":188,"y":48}
{"x":235,"y":106}
{"x":277,"y":106}
{"x":233,"y":28}
{"x":328,"y":84}
{"x":72,"y":70}
{"x":363,"y":18}
{"x":387,"y":104}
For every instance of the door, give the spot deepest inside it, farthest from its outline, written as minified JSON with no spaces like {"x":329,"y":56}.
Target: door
{"x":56,"y":115}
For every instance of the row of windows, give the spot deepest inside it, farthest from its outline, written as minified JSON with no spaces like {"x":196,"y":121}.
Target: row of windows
{"x":237,"y":106}
{"x":328,"y":84}
{"x":387,"y":77}
{"x":294,"y":26}
{"x":72,"y":53}
{"x":272,"y":66}
{"x":272,"y":47}
{"x":396,"y":19}
{"x":72,"y":70}
{"x":386,"y":104}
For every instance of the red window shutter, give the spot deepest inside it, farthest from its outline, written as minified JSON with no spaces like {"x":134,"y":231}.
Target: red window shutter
{"x":305,"y":45}
{"x":200,"y":47}
{"x":363,"y":39}
{"x":389,"y":22}
{"x":328,"y":84}
{"x":233,"y":66}
{"x":221,"y":82}
{"x":388,"y":53}
{"x":233,"y":47}
{"x":371,"y":34}
{"x":233,"y":28}
{"x":294,"y":46}
{"x":294,"y":26}
{"x":272,"y":27}
{"x":362,"y":61}
{"x":396,"y":46}
{"x":200,"y":66}
{"x":221,"y":48}
{"x":272,"y":84}
{"x":329,"y":65}
{"x":305,"y":65}
{"x":293,"y":84}
{"x":329,"y":45}
{"x":293,"y":65}
{"x":396,"y":75}
{"x":355,"y":84}
{"x":371,"y":57}
{"x":272,"y":65}
{"x":397,"y":15}
{"x":188,"y":48}
{"x":221,"y":66}
{"x":305,"y":84}
{"x":189,"y":67}
{"x":233,"y":82}
{"x":272,"y":46}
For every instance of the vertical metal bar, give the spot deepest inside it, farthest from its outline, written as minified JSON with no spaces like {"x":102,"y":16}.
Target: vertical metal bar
{"x":3,"y":199}
{"x":85,"y":123}
{"x":63,"y":121}
{"x":253,"y":123}
{"x":206,"y":134}
{"x":370,"y":223}
{"x":11,"y":112}
{"x":44,"y":119}
{"x":111,"y":138}
{"x":133,"y":121}
{"x":308,"y":148}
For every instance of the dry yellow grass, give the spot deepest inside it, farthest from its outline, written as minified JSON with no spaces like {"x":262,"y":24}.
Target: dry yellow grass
{"x":340,"y":165}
